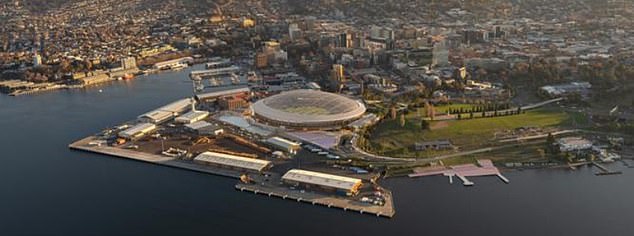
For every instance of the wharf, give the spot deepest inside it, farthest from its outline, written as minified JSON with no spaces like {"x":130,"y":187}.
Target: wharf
{"x":329,"y":201}
{"x":84,"y":145}
{"x":266,"y":188}
{"x":605,"y":170}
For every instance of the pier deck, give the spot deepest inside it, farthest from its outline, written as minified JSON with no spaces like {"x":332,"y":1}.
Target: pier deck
{"x":605,"y":170}
{"x":84,"y":145}
{"x":329,"y":201}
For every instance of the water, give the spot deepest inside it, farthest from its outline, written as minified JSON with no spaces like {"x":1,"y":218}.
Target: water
{"x":47,"y":189}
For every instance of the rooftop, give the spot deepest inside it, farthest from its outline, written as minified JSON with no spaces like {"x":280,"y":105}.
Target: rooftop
{"x":232,"y":160}
{"x":308,"y":106}
{"x":317,"y":178}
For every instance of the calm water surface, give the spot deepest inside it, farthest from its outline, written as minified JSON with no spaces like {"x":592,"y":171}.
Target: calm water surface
{"x":47,"y":189}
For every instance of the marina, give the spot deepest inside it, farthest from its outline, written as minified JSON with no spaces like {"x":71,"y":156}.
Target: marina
{"x":484,"y":167}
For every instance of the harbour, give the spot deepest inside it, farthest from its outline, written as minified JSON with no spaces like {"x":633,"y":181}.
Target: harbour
{"x":118,"y":195}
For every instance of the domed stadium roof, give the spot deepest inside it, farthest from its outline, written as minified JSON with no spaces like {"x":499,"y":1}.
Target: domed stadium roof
{"x":308,"y":108}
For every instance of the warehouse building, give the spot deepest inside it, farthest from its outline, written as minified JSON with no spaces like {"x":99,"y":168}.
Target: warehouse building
{"x":572,"y":144}
{"x":204,"y":128}
{"x":191,"y":117}
{"x":326,"y":182}
{"x":167,"y":112}
{"x":156,"y":117}
{"x":284,"y":144}
{"x":137,"y":131}
{"x":232,"y":162}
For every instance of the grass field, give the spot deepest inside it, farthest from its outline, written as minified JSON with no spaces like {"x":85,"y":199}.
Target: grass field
{"x":390,"y":138}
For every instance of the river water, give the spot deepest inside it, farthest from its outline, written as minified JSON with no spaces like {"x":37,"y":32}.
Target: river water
{"x":47,"y":189}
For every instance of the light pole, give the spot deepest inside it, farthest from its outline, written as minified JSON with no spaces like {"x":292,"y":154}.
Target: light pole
{"x":162,"y":144}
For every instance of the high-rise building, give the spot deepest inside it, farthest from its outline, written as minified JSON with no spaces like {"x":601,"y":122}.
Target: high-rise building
{"x":261,"y":60}
{"x":128,"y":63}
{"x":337,"y":73}
{"x":440,"y":54}
{"x":294,"y":32}
{"x":381,"y":33}
{"x":37,"y":60}
{"x":344,"y":40}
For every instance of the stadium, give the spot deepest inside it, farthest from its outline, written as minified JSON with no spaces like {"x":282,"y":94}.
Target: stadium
{"x":308,"y":109}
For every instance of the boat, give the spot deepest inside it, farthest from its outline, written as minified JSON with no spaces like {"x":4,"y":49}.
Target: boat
{"x":127,"y":76}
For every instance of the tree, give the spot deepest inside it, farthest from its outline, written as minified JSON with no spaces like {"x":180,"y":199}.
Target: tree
{"x":64,"y":66}
{"x":542,"y":152}
{"x":550,"y":144}
{"x":424,"y":124}
{"x":432,"y":112}
{"x":569,"y":157}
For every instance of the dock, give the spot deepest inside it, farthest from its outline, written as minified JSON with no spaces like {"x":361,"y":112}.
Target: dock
{"x":281,"y":191}
{"x":342,"y":203}
{"x":605,"y":170}
{"x":84,"y":145}
{"x":503,"y":178}
{"x":465,"y":181}
{"x":484,"y":168}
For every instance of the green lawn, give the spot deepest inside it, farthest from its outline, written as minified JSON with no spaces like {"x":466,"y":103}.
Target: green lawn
{"x":391,"y":139}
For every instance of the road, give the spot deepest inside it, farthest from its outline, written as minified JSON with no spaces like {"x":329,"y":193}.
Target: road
{"x":476,"y":151}
{"x":538,"y":136}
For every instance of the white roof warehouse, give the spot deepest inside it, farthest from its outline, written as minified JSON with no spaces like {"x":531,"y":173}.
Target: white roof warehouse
{"x":284,"y":144}
{"x":137,"y":131}
{"x":167,"y":112}
{"x":191,"y":117}
{"x":232,"y":161}
{"x":342,"y":184}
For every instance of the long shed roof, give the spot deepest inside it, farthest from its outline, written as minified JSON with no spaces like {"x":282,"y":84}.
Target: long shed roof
{"x":233,"y":161}
{"x":322,"y":179}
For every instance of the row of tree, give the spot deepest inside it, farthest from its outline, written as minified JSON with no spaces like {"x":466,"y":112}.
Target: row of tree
{"x":480,"y":108}
{"x":484,"y":114}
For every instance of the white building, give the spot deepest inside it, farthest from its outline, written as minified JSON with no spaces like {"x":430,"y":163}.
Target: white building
{"x":128,"y":63}
{"x":137,"y":131}
{"x":191,"y":117}
{"x":570,"y":144}
{"x":294,"y":32}
{"x":180,"y":62}
{"x":167,"y":112}
{"x":440,"y":55}
{"x":37,"y":60}
{"x":204,"y":128}
{"x":232,"y":162}
{"x":284,"y":144}
{"x":340,"y":184}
